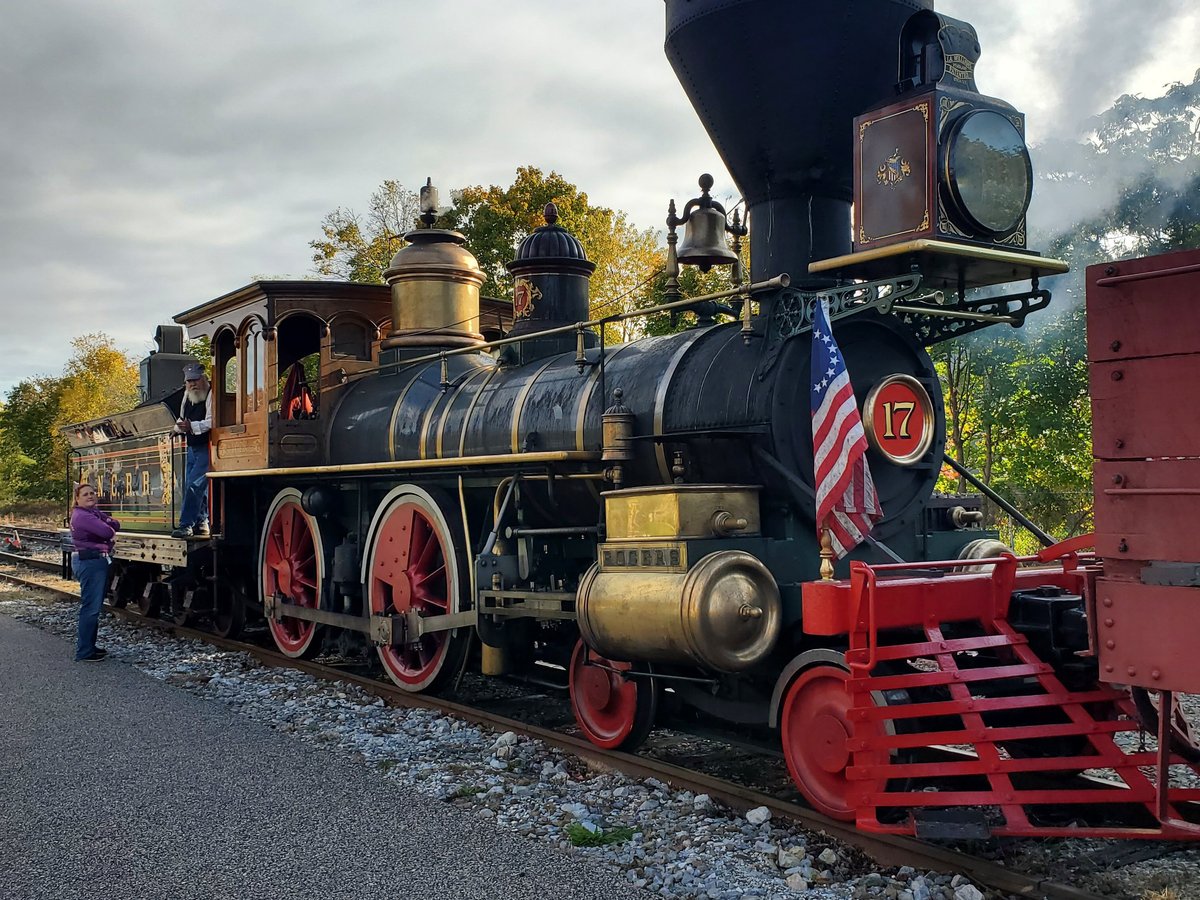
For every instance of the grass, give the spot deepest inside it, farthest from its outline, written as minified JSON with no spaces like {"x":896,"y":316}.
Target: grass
{"x":468,"y":790}
{"x":582,"y":837}
{"x":33,"y":512}
{"x":1165,"y":894}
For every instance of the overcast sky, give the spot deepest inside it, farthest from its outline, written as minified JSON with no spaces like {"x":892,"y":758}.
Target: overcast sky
{"x":157,"y":154}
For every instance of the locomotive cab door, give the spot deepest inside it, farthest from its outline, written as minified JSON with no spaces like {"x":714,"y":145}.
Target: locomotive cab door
{"x":296,"y":359}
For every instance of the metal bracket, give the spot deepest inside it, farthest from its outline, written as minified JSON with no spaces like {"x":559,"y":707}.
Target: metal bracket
{"x":792,"y":311}
{"x":931,"y":320}
{"x":933,"y":323}
{"x":410,"y":627}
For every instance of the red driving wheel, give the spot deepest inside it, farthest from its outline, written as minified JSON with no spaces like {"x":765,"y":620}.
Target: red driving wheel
{"x":613,"y":711}
{"x":292,"y":566}
{"x":815,"y":729}
{"x":413,"y":568}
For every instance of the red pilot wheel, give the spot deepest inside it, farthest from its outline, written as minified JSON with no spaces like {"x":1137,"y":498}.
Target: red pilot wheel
{"x":414,"y":566}
{"x":613,"y":711}
{"x":815,"y":730}
{"x":292,"y":566}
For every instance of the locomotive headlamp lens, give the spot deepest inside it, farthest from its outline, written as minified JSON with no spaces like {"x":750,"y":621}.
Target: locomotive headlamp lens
{"x":987,"y":172}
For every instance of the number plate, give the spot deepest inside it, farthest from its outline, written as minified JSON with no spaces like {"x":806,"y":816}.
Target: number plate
{"x":898,"y":417}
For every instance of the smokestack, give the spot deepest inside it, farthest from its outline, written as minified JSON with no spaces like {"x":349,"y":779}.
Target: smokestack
{"x":777,"y":84}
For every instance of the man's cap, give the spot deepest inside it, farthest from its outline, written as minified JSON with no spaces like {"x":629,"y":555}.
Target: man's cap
{"x":193,"y":371}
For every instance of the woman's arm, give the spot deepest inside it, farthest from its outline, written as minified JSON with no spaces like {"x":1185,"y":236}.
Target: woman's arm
{"x":88,"y":527}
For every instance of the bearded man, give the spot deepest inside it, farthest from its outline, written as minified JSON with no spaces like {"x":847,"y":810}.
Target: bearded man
{"x":195,"y":423}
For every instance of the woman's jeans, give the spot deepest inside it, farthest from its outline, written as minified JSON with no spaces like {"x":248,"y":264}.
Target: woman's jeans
{"x":93,"y":578}
{"x":195,"y":488}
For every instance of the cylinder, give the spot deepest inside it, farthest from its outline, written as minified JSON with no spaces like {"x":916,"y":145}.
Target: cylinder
{"x":723,"y":614}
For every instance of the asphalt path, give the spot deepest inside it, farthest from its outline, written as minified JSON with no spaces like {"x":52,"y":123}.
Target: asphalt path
{"x":114,"y":785}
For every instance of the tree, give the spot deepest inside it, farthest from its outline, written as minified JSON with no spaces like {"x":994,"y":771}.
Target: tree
{"x":354,"y":250}
{"x":97,"y":381}
{"x":495,"y":220}
{"x":27,"y":440}
{"x":1017,"y":403}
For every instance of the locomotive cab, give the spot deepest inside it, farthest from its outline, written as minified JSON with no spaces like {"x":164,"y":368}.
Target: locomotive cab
{"x":281,"y":350}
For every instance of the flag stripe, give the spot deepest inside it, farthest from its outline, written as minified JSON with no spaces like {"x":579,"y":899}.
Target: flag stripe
{"x":847,"y":503}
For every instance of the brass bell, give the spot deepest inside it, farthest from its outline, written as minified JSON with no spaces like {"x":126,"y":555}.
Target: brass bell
{"x":704,"y":242}
{"x":704,"y":224}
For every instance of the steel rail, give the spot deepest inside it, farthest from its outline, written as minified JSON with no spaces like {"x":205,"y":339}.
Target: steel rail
{"x":33,"y":534}
{"x":884,"y":849}
{"x":32,"y":562}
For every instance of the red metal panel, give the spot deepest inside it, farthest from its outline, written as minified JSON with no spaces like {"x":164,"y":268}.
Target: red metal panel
{"x":1143,"y":307}
{"x":1146,"y":407}
{"x":1147,"y":509}
{"x":895,"y":160}
{"x":1149,"y":634}
{"x":829,"y":606}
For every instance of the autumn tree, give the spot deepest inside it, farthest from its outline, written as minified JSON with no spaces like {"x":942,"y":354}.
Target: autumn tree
{"x":357,"y":248}
{"x":27,"y":440}
{"x":495,"y":219}
{"x":98,"y":380}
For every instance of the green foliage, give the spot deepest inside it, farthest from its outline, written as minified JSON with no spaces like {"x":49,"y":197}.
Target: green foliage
{"x":354,"y":249}
{"x":27,"y":440}
{"x":583,"y":837}
{"x":692,"y":283}
{"x":1018,"y":415}
{"x":495,"y":220}
{"x":98,"y":380}
{"x":1017,"y":406}
{"x":201,"y":348}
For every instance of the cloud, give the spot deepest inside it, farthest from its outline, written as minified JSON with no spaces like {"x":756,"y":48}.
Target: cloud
{"x":156,"y":156}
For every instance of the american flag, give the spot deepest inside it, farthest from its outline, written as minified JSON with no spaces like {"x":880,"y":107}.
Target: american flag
{"x":846,"y":500}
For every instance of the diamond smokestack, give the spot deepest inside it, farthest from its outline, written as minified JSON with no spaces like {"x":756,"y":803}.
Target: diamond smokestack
{"x":777,"y":84}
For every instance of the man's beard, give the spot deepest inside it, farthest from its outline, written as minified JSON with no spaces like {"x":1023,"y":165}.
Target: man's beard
{"x":197,"y":395}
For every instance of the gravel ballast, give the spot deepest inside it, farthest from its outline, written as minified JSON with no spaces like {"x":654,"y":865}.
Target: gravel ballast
{"x":649,"y":838}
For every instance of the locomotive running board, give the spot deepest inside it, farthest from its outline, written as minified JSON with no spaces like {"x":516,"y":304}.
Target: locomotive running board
{"x":975,"y":684}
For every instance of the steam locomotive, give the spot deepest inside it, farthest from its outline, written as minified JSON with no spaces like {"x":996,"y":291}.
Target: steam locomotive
{"x":391,"y":470}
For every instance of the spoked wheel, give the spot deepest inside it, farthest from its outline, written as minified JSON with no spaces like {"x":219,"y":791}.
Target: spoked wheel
{"x":179,"y":611}
{"x":613,"y":711}
{"x":415,"y":566}
{"x":292,"y":565}
{"x":229,"y":608}
{"x":815,"y":729}
{"x":153,"y":597}
{"x":129,"y":585}
{"x":1183,"y":734}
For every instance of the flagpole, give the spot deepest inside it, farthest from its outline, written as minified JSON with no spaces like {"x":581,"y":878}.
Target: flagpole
{"x":826,"y":555}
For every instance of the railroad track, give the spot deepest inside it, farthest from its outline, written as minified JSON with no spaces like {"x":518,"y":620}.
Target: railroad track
{"x":886,"y":850}
{"x":30,"y":562}
{"x":31,"y":535}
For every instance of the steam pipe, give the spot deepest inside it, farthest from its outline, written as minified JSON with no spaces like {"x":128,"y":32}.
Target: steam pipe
{"x":771,"y":284}
{"x":1046,"y":540}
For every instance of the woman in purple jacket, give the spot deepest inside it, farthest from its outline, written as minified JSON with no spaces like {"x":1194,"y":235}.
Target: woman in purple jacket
{"x":92,"y":532}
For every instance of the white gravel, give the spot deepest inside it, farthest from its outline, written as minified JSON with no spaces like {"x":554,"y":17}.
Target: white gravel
{"x":670,"y":842}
